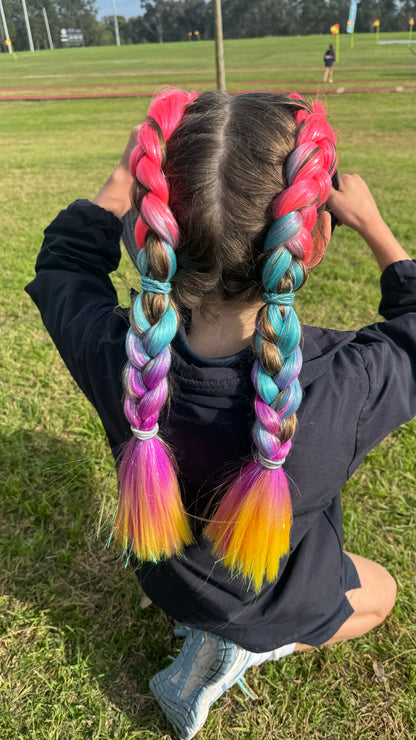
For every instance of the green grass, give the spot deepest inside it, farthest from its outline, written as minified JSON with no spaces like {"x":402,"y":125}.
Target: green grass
{"x":266,"y":62}
{"x":76,"y":649}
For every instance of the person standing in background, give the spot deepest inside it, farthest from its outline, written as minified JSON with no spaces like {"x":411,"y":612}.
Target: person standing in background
{"x":329,"y":60}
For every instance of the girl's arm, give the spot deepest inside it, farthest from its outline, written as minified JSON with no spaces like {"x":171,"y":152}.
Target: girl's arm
{"x":387,"y":348}
{"x":354,"y":206}
{"x":114,"y":195}
{"x":77,"y":299}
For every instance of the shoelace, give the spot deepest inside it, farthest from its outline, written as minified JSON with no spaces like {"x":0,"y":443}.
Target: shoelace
{"x":241,"y":683}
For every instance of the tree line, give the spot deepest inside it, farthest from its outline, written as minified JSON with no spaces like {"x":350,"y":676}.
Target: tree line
{"x":178,"y":20}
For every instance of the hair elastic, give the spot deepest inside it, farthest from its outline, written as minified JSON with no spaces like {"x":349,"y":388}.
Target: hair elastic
{"x":280,"y":299}
{"x":144,"y":434}
{"x":270,"y":464}
{"x":155,"y":286}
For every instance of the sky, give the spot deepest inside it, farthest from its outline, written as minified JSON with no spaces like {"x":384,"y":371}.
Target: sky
{"x":128,"y":8}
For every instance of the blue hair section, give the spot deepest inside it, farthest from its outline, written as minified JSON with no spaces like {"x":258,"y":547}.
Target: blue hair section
{"x":142,"y":264}
{"x":282,"y":229}
{"x":281,"y":392}
{"x":155,"y":338}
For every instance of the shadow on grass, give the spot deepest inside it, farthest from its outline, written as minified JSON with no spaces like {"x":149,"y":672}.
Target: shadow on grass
{"x":56,"y":572}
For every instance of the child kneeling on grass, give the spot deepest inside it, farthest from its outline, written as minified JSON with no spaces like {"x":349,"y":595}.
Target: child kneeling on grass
{"x":266,"y":419}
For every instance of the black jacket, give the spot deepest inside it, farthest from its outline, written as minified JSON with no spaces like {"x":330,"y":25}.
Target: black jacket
{"x":357,"y":386}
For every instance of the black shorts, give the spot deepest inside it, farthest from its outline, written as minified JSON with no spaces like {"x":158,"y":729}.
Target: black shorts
{"x":341,"y":611}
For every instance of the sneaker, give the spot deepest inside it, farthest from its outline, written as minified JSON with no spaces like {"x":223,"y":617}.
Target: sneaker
{"x":181,"y":630}
{"x":205,"y":668}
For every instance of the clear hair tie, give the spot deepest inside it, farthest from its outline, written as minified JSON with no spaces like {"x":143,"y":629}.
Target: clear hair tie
{"x":144,"y":434}
{"x":270,"y":464}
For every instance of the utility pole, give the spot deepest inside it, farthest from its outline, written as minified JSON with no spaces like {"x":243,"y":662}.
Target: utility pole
{"x":48,"y":30}
{"x":219,"y":47}
{"x":29,"y":32}
{"x":116,"y":23}
{"x":6,"y":30}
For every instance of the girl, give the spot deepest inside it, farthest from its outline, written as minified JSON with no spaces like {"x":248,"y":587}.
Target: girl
{"x":265,"y":423}
{"x":329,"y":59}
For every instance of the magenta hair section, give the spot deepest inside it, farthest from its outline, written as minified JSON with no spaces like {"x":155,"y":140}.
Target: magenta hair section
{"x":151,"y":526}
{"x":166,"y":111}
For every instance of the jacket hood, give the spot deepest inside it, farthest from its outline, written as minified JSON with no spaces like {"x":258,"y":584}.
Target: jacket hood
{"x":215,"y":374}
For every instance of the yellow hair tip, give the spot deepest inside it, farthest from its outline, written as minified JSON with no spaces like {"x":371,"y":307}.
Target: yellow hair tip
{"x":253,"y":536}
{"x":150,"y":539}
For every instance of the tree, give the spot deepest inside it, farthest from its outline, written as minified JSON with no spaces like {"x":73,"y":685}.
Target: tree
{"x":155,"y":12}
{"x":108,"y":35}
{"x":387,"y":13}
{"x":135,"y":31}
{"x":17,"y":27}
{"x":195,"y":17}
{"x":407,"y":10}
{"x":250,"y":18}
{"x":174,"y":20}
{"x":317,"y":17}
{"x":79,"y":14}
{"x":367,"y":12}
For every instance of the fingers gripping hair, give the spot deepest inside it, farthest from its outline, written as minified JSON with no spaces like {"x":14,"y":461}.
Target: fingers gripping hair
{"x":251,"y":528}
{"x":150,"y":519}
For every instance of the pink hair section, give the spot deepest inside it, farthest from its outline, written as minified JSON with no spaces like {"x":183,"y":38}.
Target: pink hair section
{"x":309,"y":171}
{"x":168,"y":107}
{"x":166,"y":110}
{"x":158,"y":216}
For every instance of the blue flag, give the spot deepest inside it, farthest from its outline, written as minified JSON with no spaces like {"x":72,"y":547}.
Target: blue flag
{"x":353,"y":15}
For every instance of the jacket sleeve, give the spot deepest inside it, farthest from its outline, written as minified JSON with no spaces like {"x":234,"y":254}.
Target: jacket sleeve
{"x":388,"y":353}
{"x":77,"y":302}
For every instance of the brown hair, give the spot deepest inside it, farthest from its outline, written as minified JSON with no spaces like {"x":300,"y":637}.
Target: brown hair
{"x":225,"y":165}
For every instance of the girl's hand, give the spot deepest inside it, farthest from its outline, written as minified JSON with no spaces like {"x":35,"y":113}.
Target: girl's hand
{"x":354,"y":206}
{"x":114,"y":196}
{"x":124,"y":162}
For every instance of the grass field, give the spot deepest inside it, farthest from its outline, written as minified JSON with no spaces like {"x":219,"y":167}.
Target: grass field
{"x":76,"y":649}
{"x":267,"y":63}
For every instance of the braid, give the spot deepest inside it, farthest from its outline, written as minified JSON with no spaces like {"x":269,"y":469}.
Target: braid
{"x":251,"y":528}
{"x":150,"y":518}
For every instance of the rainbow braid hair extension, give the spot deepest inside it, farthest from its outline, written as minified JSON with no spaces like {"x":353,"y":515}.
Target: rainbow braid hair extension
{"x":251,"y":527}
{"x":150,"y":520}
